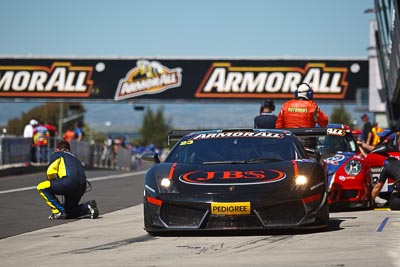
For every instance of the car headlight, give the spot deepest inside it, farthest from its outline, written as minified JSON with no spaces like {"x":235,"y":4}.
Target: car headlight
{"x":300,"y":180}
{"x":353,"y":167}
{"x":166,"y":185}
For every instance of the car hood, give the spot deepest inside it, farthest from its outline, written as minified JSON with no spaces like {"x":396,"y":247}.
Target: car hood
{"x":233,"y":174}
{"x":337,"y":161}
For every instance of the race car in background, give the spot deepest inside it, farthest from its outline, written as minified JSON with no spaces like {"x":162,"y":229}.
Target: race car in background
{"x":349,"y":173}
{"x":235,"y":179}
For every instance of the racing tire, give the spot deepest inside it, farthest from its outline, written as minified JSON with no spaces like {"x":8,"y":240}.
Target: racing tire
{"x":323,"y":216}
{"x":146,"y":218}
{"x":370,"y":203}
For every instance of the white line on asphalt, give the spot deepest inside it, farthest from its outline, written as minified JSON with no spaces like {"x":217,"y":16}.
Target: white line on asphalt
{"x":116,"y":176}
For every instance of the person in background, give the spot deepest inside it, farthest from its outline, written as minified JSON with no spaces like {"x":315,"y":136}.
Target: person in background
{"x":302,"y":111}
{"x":66,"y":177}
{"x":107,"y":154}
{"x":265,"y":120}
{"x":366,"y":131}
{"x":375,"y":131}
{"x":52,"y":129}
{"x":53,"y":135}
{"x":69,"y":134}
{"x":40,"y":140}
{"x":28,"y":133}
{"x":78,"y":132}
{"x":389,"y":138}
{"x":28,"y":130}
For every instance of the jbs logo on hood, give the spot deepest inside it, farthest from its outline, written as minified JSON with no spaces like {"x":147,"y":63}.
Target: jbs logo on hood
{"x":60,"y":80}
{"x":224,"y":80}
{"x":232,"y":177}
{"x":148,"y":77}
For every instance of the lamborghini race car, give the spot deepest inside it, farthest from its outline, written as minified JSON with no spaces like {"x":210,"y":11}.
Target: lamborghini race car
{"x":235,"y":179}
{"x":349,"y":174}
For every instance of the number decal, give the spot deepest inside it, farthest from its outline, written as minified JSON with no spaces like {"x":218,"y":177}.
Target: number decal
{"x":188,"y":142}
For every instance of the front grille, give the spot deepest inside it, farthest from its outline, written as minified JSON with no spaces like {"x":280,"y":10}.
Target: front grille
{"x":174,"y":215}
{"x":232,"y":222}
{"x":347,"y":194}
{"x":285,"y":213}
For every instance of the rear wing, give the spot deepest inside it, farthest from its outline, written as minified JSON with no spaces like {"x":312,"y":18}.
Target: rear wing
{"x":175,"y":135}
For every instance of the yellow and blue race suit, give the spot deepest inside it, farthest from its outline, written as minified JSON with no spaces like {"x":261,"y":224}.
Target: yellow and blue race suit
{"x":66,"y":177}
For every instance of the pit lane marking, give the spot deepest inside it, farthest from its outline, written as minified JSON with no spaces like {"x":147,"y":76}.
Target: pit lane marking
{"x":116,"y":176}
{"x":380,"y":228}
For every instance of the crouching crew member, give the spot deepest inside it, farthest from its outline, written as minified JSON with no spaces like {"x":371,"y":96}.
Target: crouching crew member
{"x":66,"y":177}
{"x":391,"y":169}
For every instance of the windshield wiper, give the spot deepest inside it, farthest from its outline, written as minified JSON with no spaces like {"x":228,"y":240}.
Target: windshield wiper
{"x":225,"y":162}
{"x":255,"y":160}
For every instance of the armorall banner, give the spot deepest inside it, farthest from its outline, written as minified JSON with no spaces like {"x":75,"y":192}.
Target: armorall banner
{"x":128,"y":79}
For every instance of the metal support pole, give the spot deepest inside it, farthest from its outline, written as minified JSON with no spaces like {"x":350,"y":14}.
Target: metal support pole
{"x":60,"y":120}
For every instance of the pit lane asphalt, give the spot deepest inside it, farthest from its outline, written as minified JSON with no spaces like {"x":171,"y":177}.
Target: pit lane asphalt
{"x":117,"y":238}
{"x":22,"y":209}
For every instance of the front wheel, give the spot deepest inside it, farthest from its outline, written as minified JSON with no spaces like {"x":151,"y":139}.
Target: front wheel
{"x":323,"y":215}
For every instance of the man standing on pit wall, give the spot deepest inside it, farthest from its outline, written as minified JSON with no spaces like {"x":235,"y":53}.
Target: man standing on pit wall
{"x":301,"y":112}
{"x":265,"y":120}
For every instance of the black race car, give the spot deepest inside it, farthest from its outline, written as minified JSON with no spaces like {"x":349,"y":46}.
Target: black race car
{"x":236,"y":179}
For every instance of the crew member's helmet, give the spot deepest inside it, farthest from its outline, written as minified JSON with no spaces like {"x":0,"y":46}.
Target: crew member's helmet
{"x":304,"y":91}
{"x":268,"y":104}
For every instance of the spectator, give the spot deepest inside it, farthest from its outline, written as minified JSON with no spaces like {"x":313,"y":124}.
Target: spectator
{"x":79,"y":134}
{"x":28,"y":133}
{"x":69,"y":135}
{"x":40,"y":141}
{"x":107,"y":154}
{"x":265,"y":120}
{"x":28,"y":130}
{"x":366,"y":131}
{"x":52,"y":129}
{"x":53,"y":135}
{"x":66,"y":177}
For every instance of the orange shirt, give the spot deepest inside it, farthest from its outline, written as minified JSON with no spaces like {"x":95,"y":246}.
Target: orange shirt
{"x":69,"y":135}
{"x":297,"y":113}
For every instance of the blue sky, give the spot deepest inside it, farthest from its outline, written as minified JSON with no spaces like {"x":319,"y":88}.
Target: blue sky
{"x":177,"y":28}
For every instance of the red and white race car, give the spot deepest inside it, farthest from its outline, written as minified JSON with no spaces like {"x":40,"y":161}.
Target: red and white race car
{"x":349,"y":174}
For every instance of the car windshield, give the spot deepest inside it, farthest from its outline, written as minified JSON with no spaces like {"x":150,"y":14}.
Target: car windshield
{"x":337,"y":143}
{"x":233,"y":150}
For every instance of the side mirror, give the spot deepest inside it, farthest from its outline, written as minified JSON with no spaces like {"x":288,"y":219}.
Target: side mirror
{"x":152,"y":157}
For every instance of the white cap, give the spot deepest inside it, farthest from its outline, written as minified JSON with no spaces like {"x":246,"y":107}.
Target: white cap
{"x":33,"y":122}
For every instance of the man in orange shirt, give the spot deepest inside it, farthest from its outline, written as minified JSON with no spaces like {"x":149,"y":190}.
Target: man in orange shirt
{"x":301,"y":112}
{"x":69,"y":135}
